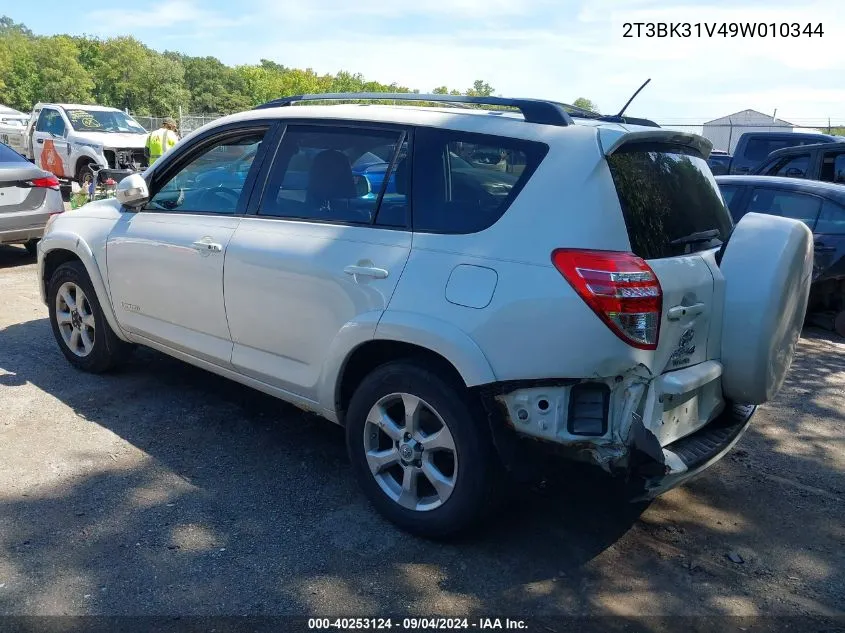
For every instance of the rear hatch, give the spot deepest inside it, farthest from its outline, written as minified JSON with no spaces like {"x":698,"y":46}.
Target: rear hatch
{"x":23,"y":189}
{"x":675,"y":218}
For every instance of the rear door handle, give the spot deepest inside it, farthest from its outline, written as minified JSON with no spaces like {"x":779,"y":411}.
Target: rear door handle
{"x":40,"y":141}
{"x":675,"y":313}
{"x":366,"y":271}
{"x":821,"y":248}
{"x":211,"y":247}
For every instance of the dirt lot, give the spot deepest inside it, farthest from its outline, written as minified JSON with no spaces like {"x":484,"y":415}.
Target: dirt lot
{"x":163,"y":489}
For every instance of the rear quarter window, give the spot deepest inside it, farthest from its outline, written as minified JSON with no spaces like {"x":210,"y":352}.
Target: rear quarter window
{"x":667,"y":194}
{"x":464,"y":182}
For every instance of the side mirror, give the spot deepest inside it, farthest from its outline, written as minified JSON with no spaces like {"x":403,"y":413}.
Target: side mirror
{"x":132,"y":191}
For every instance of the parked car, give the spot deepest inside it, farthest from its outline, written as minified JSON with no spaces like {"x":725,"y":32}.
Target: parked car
{"x":822,"y":161}
{"x":571,"y":298}
{"x":28,"y":197}
{"x":73,"y":142}
{"x":821,"y":206}
{"x":719,"y":162}
{"x":754,"y":147}
{"x":12,"y":125}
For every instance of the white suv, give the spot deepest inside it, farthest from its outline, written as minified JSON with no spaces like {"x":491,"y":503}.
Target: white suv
{"x":458,"y":287}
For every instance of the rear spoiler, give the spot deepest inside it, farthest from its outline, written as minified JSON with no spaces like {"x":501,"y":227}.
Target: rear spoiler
{"x":612,"y":139}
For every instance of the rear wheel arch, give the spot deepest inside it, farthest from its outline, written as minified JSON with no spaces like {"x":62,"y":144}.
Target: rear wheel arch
{"x":372,"y":354}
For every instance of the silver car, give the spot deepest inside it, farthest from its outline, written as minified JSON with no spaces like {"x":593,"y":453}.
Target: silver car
{"x":28,"y":197}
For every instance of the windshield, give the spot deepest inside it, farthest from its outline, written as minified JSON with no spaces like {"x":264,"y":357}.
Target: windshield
{"x":669,"y":199}
{"x":103,"y":121}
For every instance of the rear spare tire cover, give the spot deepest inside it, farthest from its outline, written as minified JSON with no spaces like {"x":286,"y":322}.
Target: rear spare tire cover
{"x":767,"y":267}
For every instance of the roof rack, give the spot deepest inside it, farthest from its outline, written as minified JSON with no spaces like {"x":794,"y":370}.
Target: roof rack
{"x":534,"y":110}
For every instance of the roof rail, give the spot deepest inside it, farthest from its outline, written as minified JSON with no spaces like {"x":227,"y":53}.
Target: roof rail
{"x":534,"y":110}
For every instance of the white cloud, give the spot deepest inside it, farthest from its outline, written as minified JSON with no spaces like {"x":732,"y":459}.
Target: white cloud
{"x":540,"y":48}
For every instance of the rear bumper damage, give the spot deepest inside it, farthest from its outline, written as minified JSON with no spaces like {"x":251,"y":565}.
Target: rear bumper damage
{"x":652,"y":432}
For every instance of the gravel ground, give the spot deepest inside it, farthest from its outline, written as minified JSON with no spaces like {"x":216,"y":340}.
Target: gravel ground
{"x":163,"y":489}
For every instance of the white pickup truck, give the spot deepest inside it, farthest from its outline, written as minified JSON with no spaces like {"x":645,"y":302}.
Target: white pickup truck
{"x":75,"y":141}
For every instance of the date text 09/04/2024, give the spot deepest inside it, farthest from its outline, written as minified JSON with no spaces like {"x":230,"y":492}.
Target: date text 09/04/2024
{"x":415,"y":624}
{"x":724,"y":29}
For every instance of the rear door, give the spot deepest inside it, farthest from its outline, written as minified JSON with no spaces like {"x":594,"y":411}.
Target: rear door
{"x":322,"y":253}
{"x":676,"y":218}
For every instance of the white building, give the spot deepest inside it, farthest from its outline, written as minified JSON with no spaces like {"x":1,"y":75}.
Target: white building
{"x":724,"y":132}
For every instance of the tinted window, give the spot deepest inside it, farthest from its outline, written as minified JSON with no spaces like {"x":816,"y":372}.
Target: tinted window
{"x":667,"y":193}
{"x":213,"y":180}
{"x":833,"y":168}
{"x":831,"y":219}
{"x":791,"y":167}
{"x":50,"y":121}
{"x":788,"y":204}
{"x":464,"y":182}
{"x":8,"y":155}
{"x":759,"y":148}
{"x":337,"y":174}
{"x":728,"y":193}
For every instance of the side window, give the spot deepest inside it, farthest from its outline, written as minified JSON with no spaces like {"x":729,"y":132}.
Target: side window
{"x":339,"y":174}
{"x":463,"y":182}
{"x":831,"y":219}
{"x":50,"y":121}
{"x":729,"y":194}
{"x":213,"y":180}
{"x":787,"y":204}
{"x":759,"y":148}
{"x":792,"y":167}
{"x":833,"y":167}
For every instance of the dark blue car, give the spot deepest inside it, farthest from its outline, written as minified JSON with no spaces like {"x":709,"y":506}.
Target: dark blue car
{"x":821,"y":205}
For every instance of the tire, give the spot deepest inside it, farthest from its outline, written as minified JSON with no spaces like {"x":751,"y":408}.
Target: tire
{"x":467,"y":473}
{"x":97,"y":352}
{"x":85,"y":176}
{"x":31,"y":247}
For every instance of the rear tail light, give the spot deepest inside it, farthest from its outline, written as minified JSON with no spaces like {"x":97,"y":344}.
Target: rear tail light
{"x":48,"y":182}
{"x":620,"y":288}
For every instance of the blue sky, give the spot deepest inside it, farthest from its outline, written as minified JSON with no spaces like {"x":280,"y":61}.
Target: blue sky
{"x":541,"y":48}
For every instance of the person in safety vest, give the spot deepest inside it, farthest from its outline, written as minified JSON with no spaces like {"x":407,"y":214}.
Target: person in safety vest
{"x":161,"y":140}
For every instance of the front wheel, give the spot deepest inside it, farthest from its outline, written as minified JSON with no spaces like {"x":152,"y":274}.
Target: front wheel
{"x":78,"y":322}
{"x":420,"y":450}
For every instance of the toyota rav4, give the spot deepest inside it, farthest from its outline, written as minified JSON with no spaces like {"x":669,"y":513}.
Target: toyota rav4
{"x":539,"y":278}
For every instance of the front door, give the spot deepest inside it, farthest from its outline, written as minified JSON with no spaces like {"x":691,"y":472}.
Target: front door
{"x":49,"y":146}
{"x":324,"y":251}
{"x":165,"y":262}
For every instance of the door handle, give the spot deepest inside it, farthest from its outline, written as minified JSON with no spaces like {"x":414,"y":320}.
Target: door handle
{"x":366,"y":271}
{"x":821,"y":248}
{"x":211,"y":247}
{"x":676,"y":312}
{"x":40,"y":141}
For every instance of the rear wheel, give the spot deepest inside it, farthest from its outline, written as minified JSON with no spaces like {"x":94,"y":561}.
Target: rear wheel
{"x":420,"y":451}
{"x":78,"y":322}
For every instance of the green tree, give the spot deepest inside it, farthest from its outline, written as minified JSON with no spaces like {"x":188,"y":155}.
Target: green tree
{"x":60,"y":75}
{"x":480,"y":89}
{"x":585,"y":104}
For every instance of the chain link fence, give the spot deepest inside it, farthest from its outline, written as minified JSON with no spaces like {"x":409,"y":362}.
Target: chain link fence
{"x":187,"y":122}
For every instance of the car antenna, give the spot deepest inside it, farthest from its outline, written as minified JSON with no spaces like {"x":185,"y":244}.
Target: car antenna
{"x":634,"y":96}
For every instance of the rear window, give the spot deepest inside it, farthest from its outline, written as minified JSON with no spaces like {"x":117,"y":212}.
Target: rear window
{"x":8,"y":155}
{"x":670,"y":200}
